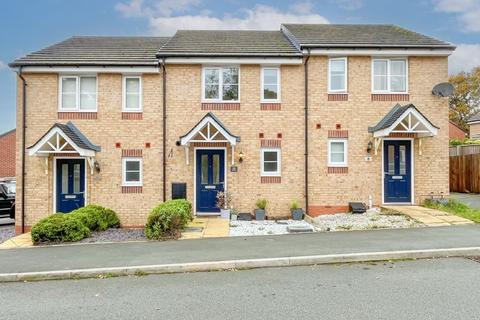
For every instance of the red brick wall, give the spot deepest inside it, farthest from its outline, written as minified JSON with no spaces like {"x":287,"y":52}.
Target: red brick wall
{"x":7,"y":154}
{"x":455,"y":132}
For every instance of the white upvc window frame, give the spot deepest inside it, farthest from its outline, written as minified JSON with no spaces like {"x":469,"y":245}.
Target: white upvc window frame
{"x":77,"y":92}
{"x":278,"y":84}
{"x":345,"y":153}
{"x":277,"y":173}
{"x":388,"y":90}
{"x":220,"y":83}
{"x":126,"y":183}
{"x":124,"y":93}
{"x":345,"y":90}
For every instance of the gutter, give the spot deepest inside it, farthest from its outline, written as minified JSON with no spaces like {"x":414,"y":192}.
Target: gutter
{"x":24,"y":126}
{"x":164,"y":127}
{"x":306,"y":129}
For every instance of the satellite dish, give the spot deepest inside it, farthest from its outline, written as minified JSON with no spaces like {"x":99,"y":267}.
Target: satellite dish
{"x":443,"y":89}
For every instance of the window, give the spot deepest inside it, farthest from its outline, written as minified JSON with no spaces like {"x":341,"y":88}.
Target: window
{"x":132,"y":93}
{"x":221,"y":84}
{"x":132,"y":172}
{"x":78,"y":93}
{"x":271,"y":84}
{"x":337,"y":153}
{"x":337,"y":75}
{"x":270,"y":162}
{"x":389,"y":75}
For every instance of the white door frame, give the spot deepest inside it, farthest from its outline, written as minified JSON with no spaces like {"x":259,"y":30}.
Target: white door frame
{"x":412,"y":171}
{"x":55,"y":180}
{"x":195,"y":178}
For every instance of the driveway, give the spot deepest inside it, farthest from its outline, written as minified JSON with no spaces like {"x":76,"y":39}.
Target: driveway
{"x":7,"y":229}
{"x":471,"y":199}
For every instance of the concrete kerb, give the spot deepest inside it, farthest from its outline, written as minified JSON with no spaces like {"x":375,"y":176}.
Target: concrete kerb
{"x":238,"y":264}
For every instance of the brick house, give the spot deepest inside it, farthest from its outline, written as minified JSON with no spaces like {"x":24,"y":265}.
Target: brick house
{"x":322,"y":114}
{"x":474,"y":126}
{"x":7,"y":156}
{"x":455,"y":132}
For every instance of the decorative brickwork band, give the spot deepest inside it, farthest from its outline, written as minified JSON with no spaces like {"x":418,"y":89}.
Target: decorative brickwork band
{"x":77,"y":115}
{"x":270,"y":143}
{"x":220,"y":106}
{"x":338,"y":133}
{"x":270,"y":179}
{"x":337,"y":169}
{"x":315,"y":211}
{"x":270,"y":106}
{"x":338,"y":97}
{"x":401,"y":135}
{"x":64,"y":155}
{"x":131,"y":189}
{"x":132,"y":152}
{"x":132,"y":115}
{"x":209,"y":144}
{"x":391,"y":97}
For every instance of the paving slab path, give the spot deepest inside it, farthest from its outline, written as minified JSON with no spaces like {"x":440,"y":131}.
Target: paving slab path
{"x":84,"y":256}
{"x":430,"y":217}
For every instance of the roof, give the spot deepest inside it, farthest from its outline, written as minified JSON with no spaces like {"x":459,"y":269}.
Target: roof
{"x":456,"y":125}
{"x":474,"y":118}
{"x":94,"y":51}
{"x":228,"y":43}
{"x":7,"y":133}
{"x":359,"y":35}
{"x":393,"y":115}
{"x":217,"y":121}
{"x":74,"y":134}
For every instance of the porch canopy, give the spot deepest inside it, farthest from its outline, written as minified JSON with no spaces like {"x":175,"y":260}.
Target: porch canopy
{"x":64,"y":139}
{"x":209,"y":130}
{"x":403,"y":121}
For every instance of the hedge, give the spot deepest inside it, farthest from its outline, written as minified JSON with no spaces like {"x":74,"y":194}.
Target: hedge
{"x":168,"y":219}
{"x":74,"y":226}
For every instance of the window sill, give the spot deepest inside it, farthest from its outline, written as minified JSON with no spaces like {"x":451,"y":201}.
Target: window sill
{"x":132,"y":189}
{"x":332,"y":169}
{"x":270,"y":179}
{"x":270,"y":106}
{"x":220,"y":105}
{"x":77,"y":115}
{"x":390,"y":97}
{"x":339,"y":96}
{"x":130,"y":115}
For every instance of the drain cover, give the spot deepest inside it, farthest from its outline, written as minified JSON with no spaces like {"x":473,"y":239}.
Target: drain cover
{"x":294,"y":229}
{"x":193,"y":229}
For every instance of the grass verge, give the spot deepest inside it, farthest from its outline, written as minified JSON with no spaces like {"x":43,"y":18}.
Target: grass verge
{"x":456,"y":208}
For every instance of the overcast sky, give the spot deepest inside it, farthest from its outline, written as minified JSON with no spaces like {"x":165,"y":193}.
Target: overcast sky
{"x":29,"y":25}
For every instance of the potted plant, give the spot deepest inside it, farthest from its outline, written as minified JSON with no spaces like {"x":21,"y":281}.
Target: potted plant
{"x":234,"y":214}
{"x":223,"y":203}
{"x":260,"y":210}
{"x":297,"y":213}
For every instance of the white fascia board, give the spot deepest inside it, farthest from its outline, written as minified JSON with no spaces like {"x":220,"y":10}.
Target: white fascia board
{"x":380,"y":52}
{"x":240,"y":60}
{"x":35,"y":149}
{"x":73,"y":70}
{"x":187,"y":139}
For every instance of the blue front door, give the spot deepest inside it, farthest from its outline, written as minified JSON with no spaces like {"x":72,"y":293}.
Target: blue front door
{"x":210,"y":179}
{"x":70,"y":184}
{"x":397,"y":171}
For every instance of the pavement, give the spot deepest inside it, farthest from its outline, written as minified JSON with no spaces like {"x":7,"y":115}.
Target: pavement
{"x":471,"y":199}
{"x":208,"y":227}
{"x":440,"y":289}
{"x":91,"y":260}
{"x":429,"y":217}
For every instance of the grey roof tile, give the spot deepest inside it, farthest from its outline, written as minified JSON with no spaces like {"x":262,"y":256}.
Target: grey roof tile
{"x":475,"y":117}
{"x":93,"y":51}
{"x":228,"y":43}
{"x":396,"y":112}
{"x":358,"y":35}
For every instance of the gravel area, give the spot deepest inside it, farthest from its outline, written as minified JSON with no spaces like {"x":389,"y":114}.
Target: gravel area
{"x":116,"y":235}
{"x":261,"y":228}
{"x":6,"y":232}
{"x":372,"y":219}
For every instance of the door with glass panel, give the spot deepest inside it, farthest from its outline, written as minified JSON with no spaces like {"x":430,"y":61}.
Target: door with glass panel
{"x":397,"y":171}
{"x":70,"y":184}
{"x":210,"y":179}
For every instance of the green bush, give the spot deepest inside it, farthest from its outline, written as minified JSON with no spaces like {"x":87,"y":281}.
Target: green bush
{"x":74,"y":226}
{"x":168,"y":219}
{"x":60,"y":227}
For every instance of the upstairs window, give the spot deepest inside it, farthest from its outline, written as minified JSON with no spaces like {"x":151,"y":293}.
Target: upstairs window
{"x":132,"y":172}
{"x":132,"y":93}
{"x":271,"y":84}
{"x":221,"y":84}
{"x":389,"y":76}
{"x":337,"y":153}
{"x":337,"y":75}
{"x":78,"y":93}
{"x":270,"y":162}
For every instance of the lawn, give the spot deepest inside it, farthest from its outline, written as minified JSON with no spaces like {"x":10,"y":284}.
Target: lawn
{"x":456,"y":208}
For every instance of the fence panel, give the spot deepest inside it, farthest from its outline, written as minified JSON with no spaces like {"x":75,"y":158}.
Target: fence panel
{"x":465,"y":173}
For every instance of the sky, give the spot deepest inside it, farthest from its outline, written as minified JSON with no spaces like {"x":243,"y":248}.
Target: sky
{"x":30,"y":25}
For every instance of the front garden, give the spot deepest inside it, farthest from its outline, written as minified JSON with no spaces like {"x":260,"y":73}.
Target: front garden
{"x":454,"y":207}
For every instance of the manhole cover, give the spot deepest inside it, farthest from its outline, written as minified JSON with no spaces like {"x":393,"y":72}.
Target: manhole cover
{"x":193,"y":229}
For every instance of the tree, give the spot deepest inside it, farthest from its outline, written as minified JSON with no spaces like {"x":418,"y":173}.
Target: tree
{"x":465,"y":100}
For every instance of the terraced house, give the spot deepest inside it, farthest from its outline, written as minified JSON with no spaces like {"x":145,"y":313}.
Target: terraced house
{"x":324,"y":114}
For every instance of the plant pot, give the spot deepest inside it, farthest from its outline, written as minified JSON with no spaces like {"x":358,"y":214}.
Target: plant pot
{"x":297,"y":214}
{"x":259,"y":214}
{"x":225,"y":213}
{"x":234,"y":217}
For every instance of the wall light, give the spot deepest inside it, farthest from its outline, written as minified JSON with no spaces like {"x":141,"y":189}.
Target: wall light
{"x":241,"y":157}
{"x":369,"y":147}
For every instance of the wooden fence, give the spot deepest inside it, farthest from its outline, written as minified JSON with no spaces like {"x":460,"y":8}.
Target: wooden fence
{"x":465,"y":173}
{"x":464,"y":150}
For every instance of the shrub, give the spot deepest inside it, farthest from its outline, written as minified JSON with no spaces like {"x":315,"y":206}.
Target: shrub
{"x":98,"y":218}
{"x":261,"y":204}
{"x":294,"y":205}
{"x":168,"y":219}
{"x":60,"y":227}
